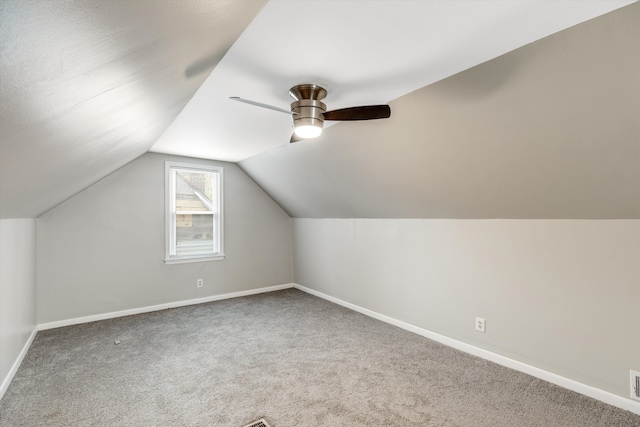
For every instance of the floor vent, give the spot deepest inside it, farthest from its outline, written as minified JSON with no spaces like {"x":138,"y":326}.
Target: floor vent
{"x":635,"y":385}
{"x":260,"y":423}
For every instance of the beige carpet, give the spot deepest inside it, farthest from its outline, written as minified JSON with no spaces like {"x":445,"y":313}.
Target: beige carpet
{"x":288,"y":357}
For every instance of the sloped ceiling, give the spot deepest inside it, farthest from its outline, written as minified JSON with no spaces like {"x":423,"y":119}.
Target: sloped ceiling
{"x":362,"y":52}
{"x":87,"y":86}
{"x":551,"y":130}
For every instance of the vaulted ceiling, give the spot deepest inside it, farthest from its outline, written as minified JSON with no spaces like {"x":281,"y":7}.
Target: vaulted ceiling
{"x":549,"y":130}
{"x":87,"y":86}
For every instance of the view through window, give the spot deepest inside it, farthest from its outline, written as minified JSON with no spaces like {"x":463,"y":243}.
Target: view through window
{"x":194,"y":212}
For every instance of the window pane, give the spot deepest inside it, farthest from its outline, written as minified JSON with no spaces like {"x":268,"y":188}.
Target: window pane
{"x":194,"y":191}
{"x":194,"y":234}
{"x":193,"y":212}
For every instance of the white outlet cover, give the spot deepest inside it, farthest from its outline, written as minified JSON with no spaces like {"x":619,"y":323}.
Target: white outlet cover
{"x":480,"y":324}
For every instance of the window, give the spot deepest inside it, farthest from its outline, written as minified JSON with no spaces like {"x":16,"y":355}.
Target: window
{"x":193,"y":212}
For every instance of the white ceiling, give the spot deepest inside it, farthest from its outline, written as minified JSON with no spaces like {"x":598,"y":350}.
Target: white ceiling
{"x":363,"y":52}
{"x":87,"y":86}
{"x":549,"y":130}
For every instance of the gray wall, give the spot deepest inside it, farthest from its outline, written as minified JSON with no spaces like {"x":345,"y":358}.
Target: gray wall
{"x":17,"y":290}
{"x":102,"y":250}
{"x":561,"y":295}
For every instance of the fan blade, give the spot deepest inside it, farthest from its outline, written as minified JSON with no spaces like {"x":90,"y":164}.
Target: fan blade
{"x":259,"y":104}
{"x":295,"y":138}
{"x":368,"y":112}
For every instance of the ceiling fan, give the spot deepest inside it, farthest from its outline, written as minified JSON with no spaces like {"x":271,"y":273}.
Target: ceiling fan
{"x":309,"y":112}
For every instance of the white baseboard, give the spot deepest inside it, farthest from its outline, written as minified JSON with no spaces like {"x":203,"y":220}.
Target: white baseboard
{"x":14,"y":368}
{"x":114,"y":314}
{"x":595,"y":393}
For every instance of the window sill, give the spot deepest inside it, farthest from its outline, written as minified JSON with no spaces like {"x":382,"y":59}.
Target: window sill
{"x":194,"y":259}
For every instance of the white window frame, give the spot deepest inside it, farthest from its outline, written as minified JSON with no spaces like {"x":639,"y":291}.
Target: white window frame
{"x":170,"y":214}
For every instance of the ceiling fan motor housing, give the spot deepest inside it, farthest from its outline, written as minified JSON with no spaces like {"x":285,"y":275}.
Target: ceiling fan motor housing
{"x":307,"y":112}
{"x":307,"y":109}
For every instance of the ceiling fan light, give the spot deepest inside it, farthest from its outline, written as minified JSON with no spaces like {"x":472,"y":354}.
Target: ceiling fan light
{"x":308,"y":131}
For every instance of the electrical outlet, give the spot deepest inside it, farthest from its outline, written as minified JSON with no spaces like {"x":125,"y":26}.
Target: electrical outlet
{"x":200,"y":283}
{"x":480,"y":324}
